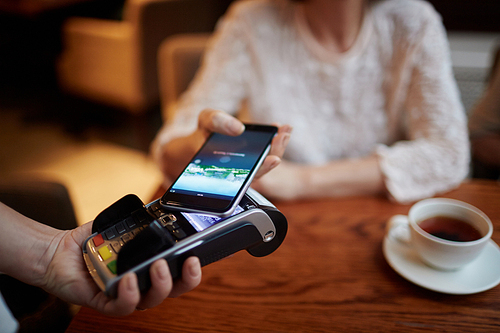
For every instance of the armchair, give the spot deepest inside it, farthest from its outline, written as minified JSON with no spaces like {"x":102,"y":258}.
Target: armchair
{"x":179,"y":58}
{"x":114,"y":62}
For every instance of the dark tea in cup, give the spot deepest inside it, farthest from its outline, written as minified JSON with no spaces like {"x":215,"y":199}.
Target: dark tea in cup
{"x":450,"y":228}
{"x":446,"y":234}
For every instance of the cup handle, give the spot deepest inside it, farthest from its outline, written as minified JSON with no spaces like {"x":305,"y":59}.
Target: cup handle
{"x":398,"y":228}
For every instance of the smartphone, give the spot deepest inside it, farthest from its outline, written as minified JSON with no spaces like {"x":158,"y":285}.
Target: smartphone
{"x":220,"y":173}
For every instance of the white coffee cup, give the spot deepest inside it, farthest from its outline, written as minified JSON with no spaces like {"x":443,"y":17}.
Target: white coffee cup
{"x":435,"y":251}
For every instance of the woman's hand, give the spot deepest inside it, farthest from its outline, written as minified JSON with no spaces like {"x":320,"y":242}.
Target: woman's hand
{"x":177,"y":153}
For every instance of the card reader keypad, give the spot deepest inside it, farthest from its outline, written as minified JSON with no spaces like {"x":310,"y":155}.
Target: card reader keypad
{"x":108,"y":243}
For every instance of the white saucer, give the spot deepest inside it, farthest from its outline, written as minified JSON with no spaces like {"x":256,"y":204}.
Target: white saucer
{"x":480,"y":275}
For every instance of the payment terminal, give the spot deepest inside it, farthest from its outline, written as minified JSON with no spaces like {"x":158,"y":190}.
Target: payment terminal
{"x":130,"y":236}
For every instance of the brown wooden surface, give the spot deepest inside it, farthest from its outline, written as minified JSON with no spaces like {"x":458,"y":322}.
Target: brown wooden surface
{"x":329,"y":275}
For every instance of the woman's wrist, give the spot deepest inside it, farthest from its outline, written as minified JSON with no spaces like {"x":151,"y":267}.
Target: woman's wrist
{"x":344,"y":178}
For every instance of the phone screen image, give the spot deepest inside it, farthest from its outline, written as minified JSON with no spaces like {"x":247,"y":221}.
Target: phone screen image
{"x":220,"y":170}
{"x":202,"y":221}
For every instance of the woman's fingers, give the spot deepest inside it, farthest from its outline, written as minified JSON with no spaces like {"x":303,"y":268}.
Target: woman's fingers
{"x":278,"y":147}
{"x":280,"y":141}
{"x":211,"y":120}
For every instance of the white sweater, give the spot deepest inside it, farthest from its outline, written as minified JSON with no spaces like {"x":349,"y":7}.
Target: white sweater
{"x":392,"y":93}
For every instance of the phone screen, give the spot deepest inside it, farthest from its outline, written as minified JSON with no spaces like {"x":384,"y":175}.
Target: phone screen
{"x":219,"y":174}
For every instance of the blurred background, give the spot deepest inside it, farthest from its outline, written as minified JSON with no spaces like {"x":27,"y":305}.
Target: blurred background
{"x":80,"y":97}
{"x":81,"y":100}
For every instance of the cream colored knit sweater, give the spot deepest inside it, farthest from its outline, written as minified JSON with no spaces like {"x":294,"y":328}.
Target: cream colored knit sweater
{"x":392,"y":94}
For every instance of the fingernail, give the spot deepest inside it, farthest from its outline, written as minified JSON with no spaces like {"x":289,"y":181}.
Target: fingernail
{"x":131,"y":281}
{"x":235,"y":126}
{"x":275,"y":164}
{"x":232,"y":124}
{"x":162,"y":271}
{"x":288,"y":129}
{"x":286,"y":139}
{"x":194,"y":269}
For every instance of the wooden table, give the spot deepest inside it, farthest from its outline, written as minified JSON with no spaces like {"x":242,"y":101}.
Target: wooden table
{"x":329,"y":275}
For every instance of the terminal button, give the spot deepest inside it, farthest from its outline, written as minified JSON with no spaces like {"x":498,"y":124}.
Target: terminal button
{"x":130,"y":221}
{"x":105,"y":252}
{"x":98,"y":240}
{"x":112,"y":266}
{"x":120,"y":227}
{"x":110,"y":233}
